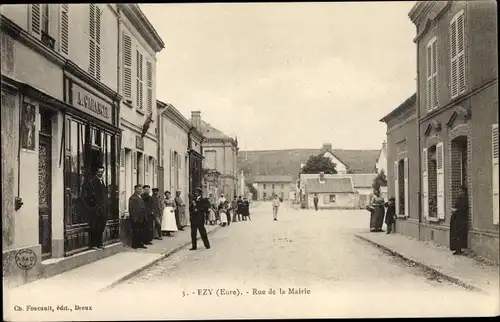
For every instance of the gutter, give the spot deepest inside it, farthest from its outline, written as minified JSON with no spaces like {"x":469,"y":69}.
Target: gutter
{"x":419,"y":192}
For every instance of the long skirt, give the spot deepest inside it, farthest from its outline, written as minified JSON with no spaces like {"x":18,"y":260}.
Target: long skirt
{"x":377,"y":218}
{"x":211,"y":215}
{"x":168,"y":221}
{"x":458,"y":232}
{"x":223,"y":217}
{"x":182,"y":216}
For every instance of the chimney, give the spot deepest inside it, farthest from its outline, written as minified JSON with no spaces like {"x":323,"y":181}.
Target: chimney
{"x":322,"y":177}
{"x":327,"y":146}
{"x":196,"y":119}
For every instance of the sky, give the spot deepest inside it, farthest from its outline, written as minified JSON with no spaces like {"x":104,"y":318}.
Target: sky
{"x":287,"y":75}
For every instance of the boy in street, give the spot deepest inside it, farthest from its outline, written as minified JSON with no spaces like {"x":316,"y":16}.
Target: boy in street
{"x":276,"y":205}
{"x":390,"y":215}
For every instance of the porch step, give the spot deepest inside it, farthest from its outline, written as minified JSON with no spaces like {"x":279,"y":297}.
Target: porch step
{"x":55,"y":266}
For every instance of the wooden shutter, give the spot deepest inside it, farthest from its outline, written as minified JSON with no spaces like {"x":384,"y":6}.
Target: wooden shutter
{"x":127,"y":67}
{"x":457,"y":54}
{"x":435,"y":86}
{"x":134,"y":162}
{"x":122,"y":159}
{"x":140,"y":85}
{"x":396,"y":185}
{"x":406,"y":186}
{"x":440,"y":180}
{"x":171,"y":169}
{"x":64,"y":35}
{"x":425,"y":184}
{"x":95,"y":41}
{"x":432,"y":90}
{"x":35,"y":18}
{"x":149,"y":94}
{"x":494,"y":148}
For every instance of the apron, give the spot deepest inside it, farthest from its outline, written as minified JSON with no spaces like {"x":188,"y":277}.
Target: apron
{"x":168,"y":221}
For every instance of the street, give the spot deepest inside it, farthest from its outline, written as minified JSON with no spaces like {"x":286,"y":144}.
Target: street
{"x":311,"y":256}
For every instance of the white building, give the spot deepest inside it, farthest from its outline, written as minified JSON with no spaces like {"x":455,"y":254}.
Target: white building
{"x":139,"y":44}
{"x":60,"y":98}
{"x":381,"y":164}
{"x":173,"y":150}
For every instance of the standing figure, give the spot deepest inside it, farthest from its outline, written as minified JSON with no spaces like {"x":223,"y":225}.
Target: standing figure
{"x":179,"y":211}
{"x":148,"y":203}
{"x":169,"y":223}
{"x":459,"y":222}
{"x":234,"y":208}
{"x":316,"y":200}
{"x":246,"y":209}
{"x":197,"y":209}
{"x":157,"y":213}
{"x":239,"y":209}
{"x":95,"y":199}
{"x":276,"y":205}
{"x":377,"y":216}
{"x":390,"y":215}
{"x":137,"y":212}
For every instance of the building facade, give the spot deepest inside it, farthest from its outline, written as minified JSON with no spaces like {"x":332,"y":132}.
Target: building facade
{"x":139,"y":43}
{"x":332,"y":192}
{"x":456,"y":125}
{"x":195,"y":150}
{"x":269,"y":186}
{"x":219,"y":152}
{"x":173,"y":142}
{"x":57,"y":131}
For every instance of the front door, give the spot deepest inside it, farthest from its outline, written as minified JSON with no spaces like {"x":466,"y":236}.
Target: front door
{"x":45,"y":195}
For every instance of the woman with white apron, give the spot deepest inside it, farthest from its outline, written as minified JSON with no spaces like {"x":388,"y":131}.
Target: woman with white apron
{"x":223,"y":211}
{"x":168,"y":224}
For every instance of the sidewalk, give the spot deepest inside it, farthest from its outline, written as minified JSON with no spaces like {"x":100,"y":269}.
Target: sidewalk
{"x":106,"y":273}
{"x":461,"y":270}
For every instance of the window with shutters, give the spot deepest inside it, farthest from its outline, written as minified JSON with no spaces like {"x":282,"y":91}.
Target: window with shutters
{"x":139,"y":80}
{"x":440,"y":189}
{"x":495,"y":183}
{"x":149,"y":83}
{"x":127,"y":67}
{"x":432,"y":89}
{"x":457,"y":53}
{"x":95,"y":41}
{"x":64,"y":30}
{"x":35,"y":17}
{"x":122,"y":157}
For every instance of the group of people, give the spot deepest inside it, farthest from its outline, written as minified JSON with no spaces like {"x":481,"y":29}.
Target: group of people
{"x":458,"y":222}
{"x":152,"y":216}
{"x":220,"y":212}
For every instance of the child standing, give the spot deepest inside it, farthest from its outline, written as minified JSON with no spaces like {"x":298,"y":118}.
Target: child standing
{"x":390,"y":215}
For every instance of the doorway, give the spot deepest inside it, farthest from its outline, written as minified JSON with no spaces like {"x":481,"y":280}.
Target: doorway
{"x":45,"y":185}
{"x":458,"y":166}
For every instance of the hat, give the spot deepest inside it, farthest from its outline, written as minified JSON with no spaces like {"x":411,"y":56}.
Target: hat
{"x":199,"y":189}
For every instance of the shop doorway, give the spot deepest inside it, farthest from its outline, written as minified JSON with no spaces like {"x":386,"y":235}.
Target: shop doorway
{"x":45,"y":184}
{"x":458,"y":166}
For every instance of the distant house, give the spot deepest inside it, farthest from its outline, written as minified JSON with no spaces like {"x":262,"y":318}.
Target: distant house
{"x":332,"y":192}
{"x":340,"y":166}
{"x":363,"y":185}
{"x":381,"y":163}
{"x":268,"y":186}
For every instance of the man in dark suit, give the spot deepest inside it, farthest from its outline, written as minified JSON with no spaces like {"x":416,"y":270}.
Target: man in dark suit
{"x":95,"y":198}
{"x":197,"y":209}
{"x":137,"y":212}
{"x":149,"y":223}
{"x":157,"y":213}
{"x":240,"y":207}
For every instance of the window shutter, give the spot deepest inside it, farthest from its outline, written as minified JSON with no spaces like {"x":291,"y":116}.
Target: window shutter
{"x":127,"y":67}
{"x":122,"y":158}
{"x":139,"y":97}
{"x":134,"y":162}
{"x":494,"y":150}
{"x":461,"y":53}
{"x":429,"y":77}
{"x":435,"y":88}
{"x":64,"y":36}
{"x":440,"y":180}
{"x":149,"y":72}
{"x":396,"y":185}
{"x":425,"y":185}
{"x":406,"y":186}
{"x":95,"y":41}
{"x":98,"y":43}
{"x":35,"y":18}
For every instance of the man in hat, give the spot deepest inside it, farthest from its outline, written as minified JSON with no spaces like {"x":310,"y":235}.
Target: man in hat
{"x":137,"y":212}
{"x":148,"y":203}
{"x":198,"y":208}
{"x":158,"y":207}
{"x":390,"y":215}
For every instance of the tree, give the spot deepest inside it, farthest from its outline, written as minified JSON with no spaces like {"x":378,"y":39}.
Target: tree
{"x":380,"y":180}
{"x":319,"y":163}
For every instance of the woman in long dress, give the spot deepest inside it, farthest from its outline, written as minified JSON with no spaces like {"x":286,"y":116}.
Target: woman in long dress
{"x":377,"y":216}
{"x":459,"y":222}
{"x":168,"y":224}
{"x":211,"y":215}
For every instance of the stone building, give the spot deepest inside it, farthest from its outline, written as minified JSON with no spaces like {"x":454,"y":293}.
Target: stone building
{"x":268,"y":186}
{"x":219,"y":152}
{"x":454,"y":121}
{"x":60,"y":99}
{"x":139,"y":44}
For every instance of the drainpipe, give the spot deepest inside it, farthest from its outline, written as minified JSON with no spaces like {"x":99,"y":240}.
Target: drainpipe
{"x":118,"y":47}
{"x":419,"y":159}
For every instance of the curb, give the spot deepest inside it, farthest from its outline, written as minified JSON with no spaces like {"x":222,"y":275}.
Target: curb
{"x":428,"y":268}
{"x":162,"y":257}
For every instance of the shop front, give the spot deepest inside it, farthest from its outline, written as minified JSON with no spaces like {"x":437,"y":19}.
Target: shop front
{"x":92,"y":139}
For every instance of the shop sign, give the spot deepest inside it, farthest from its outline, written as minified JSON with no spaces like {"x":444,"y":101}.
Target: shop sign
{"x":91,"y":104}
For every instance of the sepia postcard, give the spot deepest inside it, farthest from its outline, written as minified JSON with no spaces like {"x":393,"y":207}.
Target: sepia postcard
{"x":197,"y":161}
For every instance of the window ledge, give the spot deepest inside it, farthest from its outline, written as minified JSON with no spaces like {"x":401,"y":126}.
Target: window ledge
{"x":128,"y":103}
{"x":401,"y":216}
{"x":139,"y":111}
{"x":434,"y":220}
